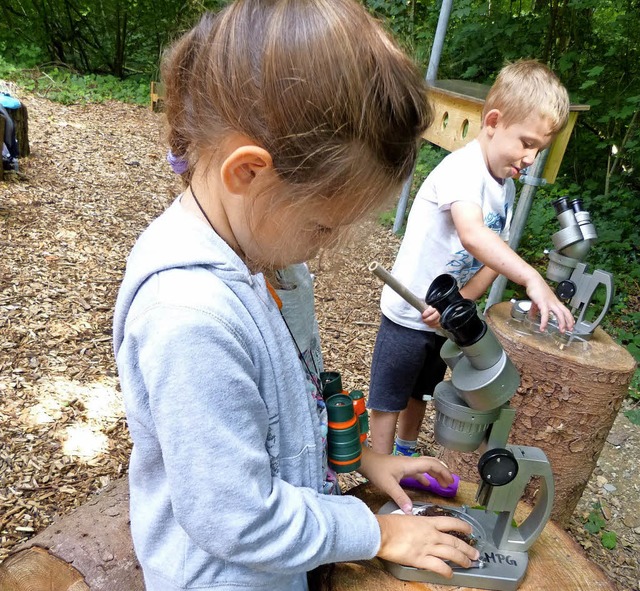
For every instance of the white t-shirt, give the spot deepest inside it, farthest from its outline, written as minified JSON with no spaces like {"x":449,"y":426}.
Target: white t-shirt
{"x":431,"y":245}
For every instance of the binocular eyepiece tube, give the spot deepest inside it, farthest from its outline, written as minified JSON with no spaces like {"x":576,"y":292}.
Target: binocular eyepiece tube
{"x":483,"y":378}
{"x":348,"y":423}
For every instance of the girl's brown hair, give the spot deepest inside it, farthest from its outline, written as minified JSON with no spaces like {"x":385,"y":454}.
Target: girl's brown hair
{"x":317,"y":83}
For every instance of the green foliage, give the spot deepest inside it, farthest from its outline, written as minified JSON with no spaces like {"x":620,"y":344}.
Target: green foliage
{"x":595,"y":522}
{"x":67,"y":87}
{"x":633,"y":415}
{"x":116,"y":37}
{"x":609,"y":540}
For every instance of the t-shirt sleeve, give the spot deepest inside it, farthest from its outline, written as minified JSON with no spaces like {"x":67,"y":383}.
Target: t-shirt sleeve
{"x":454,"y":179}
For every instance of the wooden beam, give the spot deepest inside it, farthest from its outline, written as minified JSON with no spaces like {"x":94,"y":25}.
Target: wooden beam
{"x":458,"y":108}
{"x":157,"y":96}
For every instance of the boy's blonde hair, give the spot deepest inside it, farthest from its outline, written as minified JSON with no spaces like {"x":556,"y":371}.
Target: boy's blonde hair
{"x":528,"y":87}
{"x":317,"y":83}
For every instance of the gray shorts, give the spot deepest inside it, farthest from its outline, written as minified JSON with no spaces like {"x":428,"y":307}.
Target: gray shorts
{"x":406,"y":363}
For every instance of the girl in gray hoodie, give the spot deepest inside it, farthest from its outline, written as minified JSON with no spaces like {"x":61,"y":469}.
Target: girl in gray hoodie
{"x":288,"y":121}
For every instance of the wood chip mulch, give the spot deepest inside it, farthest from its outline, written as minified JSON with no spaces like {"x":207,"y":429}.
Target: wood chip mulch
{"x":95,"y":179}
{"x":96,"y":176}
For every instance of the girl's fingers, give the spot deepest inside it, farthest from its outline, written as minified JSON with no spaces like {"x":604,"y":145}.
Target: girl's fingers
{"x":436,"y":565}
{"x":455,"y":555}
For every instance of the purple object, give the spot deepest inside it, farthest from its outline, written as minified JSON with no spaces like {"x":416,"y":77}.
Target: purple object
{"x":178,"y":164}
{"x":434,"y":487}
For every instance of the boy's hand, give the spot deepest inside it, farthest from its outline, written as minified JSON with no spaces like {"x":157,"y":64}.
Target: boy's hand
{"x":422,"y":542}
{"x":544,"y":301}
{"x":431,"y":317}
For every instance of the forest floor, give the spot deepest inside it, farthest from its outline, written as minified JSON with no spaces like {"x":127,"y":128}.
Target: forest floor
{"x":96,"y":177}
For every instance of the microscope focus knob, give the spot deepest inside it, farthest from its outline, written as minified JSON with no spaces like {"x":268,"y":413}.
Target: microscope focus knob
{"x":498,"y":467}
{"x":566,"y":290}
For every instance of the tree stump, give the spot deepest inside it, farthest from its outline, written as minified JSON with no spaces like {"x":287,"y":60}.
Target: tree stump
{"x":555,"y":560}
{"x":90,"y":548}
{"x":566,"y":404}
{"x":21,"y":120}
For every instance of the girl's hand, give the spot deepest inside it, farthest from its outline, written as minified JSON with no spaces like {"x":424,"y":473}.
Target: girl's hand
{"x":385,"y":472}
{"x":421,"y":542}
{"x":431,"y":317}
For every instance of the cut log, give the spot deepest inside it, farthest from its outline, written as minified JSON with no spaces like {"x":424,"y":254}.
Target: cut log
{"x":91,"y":546}
{"x":566,"y":404}
{"x":21,"y":120}
{"x":555,"y":560}
{"x":34,"y":568}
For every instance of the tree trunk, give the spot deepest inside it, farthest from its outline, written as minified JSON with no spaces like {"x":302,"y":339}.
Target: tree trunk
{"x":555,"y":560}
{"x":566,"y":404}
{"x":90,"y":548}
{"x":21,"y":119}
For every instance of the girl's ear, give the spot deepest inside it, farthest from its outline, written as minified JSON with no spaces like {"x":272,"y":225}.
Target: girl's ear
{"x":491,"y":119}
{"x":243,"y":166}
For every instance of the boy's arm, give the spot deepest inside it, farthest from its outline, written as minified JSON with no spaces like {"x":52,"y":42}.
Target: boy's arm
{"x":485,"y":245}
{"x":476,"y":287}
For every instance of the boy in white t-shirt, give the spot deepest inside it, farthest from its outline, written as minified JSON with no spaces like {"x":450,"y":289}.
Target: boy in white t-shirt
{"x":458,"y":224}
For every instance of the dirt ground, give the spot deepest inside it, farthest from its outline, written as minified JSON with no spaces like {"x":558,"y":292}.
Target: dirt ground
{"x":96,"y":177}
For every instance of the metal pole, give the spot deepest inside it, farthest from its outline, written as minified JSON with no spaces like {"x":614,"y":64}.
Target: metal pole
{"x":432,"y":71}
{"x":438,"y":42}
{"x":519,"y":222}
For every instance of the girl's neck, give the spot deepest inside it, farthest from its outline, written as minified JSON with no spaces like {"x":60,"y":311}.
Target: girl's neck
{"x":199,"y":202}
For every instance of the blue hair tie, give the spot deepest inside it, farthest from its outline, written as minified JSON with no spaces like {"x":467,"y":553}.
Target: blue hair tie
{"x":178,"y":164}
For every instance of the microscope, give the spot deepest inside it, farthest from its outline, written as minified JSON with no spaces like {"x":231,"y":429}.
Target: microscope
{"x":575,"y":286}
{"x":473,"y":412}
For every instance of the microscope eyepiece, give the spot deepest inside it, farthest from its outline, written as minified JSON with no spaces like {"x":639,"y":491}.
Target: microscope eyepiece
{"x":462,"y":322}
{"x":561,"y":205}
{"x":576,"y":204}
{"x":443,"y":292}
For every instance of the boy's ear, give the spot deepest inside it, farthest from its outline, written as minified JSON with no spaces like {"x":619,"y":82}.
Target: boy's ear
{"x":243,"y":166}
{"x":491,"y":119}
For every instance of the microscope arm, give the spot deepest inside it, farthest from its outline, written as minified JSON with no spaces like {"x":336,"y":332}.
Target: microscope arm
{"x":584,"y":294}
{"x":504,"y":499}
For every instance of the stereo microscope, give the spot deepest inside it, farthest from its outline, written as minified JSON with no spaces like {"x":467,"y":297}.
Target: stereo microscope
{"x":575,"y":286}
{"x":473,"y":412}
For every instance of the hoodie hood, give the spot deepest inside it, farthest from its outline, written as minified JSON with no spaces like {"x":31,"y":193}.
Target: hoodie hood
{"x":191,"y":243}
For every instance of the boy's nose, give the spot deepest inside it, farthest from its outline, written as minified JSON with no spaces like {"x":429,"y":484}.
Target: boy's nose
{"x":529,"y":157}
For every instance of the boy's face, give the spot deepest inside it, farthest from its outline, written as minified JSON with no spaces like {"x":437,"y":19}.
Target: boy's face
{"x":515,"y":146}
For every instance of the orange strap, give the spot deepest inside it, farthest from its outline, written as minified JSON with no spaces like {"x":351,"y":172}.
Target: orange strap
{"x":274,"y":295}
{"x":345,"y":424}
{"x":345,"y":462}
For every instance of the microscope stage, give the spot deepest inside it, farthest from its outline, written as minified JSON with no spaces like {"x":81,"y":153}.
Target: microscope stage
{"x":495,"y":570}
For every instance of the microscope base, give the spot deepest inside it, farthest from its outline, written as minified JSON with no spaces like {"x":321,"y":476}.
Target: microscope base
{"x":495,"y":570}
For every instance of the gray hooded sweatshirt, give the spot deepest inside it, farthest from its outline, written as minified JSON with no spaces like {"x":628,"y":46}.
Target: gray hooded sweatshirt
{"x":226,"y":470}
